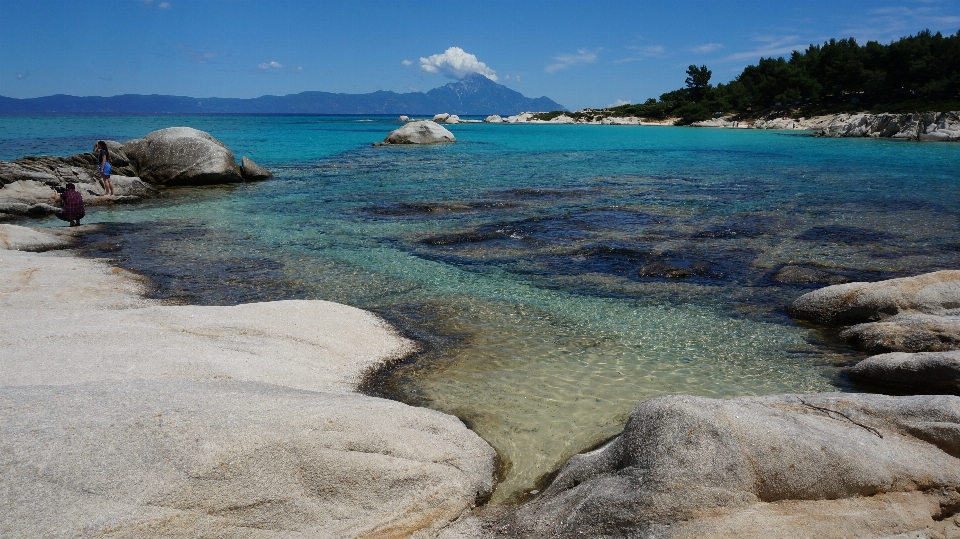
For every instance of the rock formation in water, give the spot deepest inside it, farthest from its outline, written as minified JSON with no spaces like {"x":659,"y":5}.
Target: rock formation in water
{"x":927,"y":126}
{"x":915,"y":319}
{"x":420,"y":132}
{"x":826,"y":465}
{"x":190,"y":421}
{"x":922,"y":372}
{"x":172,"y":156}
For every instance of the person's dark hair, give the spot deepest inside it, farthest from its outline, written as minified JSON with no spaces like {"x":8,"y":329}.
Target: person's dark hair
{"x":71,"y":186}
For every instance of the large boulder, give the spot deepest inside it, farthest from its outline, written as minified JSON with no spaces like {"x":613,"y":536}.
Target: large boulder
{"x":182,"y":156}
{"x":421,"y":132}
{"x":853,"y":303}
{"x":825,"y":465}
{"x":906,"y":333}
{"x":924,"y":372}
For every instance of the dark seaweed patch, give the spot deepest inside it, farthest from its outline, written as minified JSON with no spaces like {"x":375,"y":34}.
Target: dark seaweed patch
{"x":431,"y":209}
{"x":844,"y":234}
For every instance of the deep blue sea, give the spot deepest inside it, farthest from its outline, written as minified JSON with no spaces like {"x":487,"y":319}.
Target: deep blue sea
{"x":529,"y":259}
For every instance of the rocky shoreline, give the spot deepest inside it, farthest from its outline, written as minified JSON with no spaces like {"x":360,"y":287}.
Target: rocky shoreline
{"x":169,"y":157}
{"x":126,"y":418}
{"x":927,"y":126}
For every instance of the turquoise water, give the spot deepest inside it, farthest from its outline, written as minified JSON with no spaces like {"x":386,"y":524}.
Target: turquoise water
{"x":528,"y":258}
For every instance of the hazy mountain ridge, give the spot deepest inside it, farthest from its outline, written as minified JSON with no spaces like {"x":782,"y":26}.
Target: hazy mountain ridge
{"x":473,"y":95}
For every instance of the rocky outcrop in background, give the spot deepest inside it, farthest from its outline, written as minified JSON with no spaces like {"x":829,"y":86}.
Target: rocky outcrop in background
{"x":168,"y":157}
{"x":927,"y":126}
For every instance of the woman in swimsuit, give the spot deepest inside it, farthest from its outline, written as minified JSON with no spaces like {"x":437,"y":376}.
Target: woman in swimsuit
{"x":103,"y":165}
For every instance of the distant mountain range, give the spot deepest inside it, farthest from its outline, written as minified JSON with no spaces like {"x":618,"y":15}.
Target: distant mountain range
{"x":473,"y":95}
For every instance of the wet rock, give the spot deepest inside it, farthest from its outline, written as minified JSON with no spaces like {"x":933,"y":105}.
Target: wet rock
{"x":906,"y":333}
{"x":923,"y":372}
{"x":673,"y":271}
{"x":854,"y":303}
{"x":802,"y":275}
{"x":403,"y":119}
{"x":253,"y":171}
{"x":421,"y":132}
{"x":825,"y":465}
{"x":493,"y":119}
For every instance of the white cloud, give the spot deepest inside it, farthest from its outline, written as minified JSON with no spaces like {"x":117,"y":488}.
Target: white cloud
{"x":563,"y":61}
{"x":618,"y":103}
{"x":163,"y":5}
{"x":646,"y":51}
{"x":518,"y":78}
{"x":23,"y":75}
{"x":456,"y":63}
{"x":298,"y":68}
{"x":406,"y":63}
{"x":771,"y":46}
{"x":891,"y":23}
{"x":708,"y":47}
{"x":270,"y":65}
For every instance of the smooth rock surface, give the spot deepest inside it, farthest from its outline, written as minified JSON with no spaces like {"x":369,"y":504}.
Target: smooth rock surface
{"x":759,"y":467}
{"x":253,"y":171}
{"x":125,"y":418}
{"x":853,"y":303}
{"x":21,"y":238}
{"x":420,"y":132}
{"x":906,"y":333}
{"x":182,"y":156}
{"x":926,"y":372}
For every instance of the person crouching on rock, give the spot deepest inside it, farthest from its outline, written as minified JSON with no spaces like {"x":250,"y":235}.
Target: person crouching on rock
{"x":71,"y":204}
{"x":103,"y":165}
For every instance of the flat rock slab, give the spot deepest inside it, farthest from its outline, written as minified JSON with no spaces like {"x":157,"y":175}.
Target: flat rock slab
{"x":850,"y":465}
{"x":125,"y":418}
{"x":21,"y":238}
{"x":906,"y":333}
{"x":925,"y":372}
{"x":854,"y":303}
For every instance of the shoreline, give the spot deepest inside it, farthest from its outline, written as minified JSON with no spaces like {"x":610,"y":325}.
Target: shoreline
{"x":311,"y":355}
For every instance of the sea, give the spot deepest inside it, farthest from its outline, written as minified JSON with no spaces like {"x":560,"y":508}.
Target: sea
{"x":554,"y":275}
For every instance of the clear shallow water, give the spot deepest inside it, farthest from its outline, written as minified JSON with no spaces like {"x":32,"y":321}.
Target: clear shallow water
{"x":516,"y":254}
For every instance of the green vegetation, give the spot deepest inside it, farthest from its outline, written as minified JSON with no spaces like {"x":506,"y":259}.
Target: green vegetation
{"x":920,"y":72}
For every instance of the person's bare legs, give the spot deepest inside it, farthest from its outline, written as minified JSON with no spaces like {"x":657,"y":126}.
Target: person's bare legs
{"x":107,"y":187}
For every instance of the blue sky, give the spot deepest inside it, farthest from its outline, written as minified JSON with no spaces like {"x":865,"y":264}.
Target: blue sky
{"x":579,"y":53}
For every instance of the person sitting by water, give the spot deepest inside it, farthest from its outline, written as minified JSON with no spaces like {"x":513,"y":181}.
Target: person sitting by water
{"x":103,"y":165}
{"x":71,"y":205}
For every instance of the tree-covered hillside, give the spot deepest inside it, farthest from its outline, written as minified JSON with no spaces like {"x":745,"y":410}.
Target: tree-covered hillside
{"x":920,"y":72}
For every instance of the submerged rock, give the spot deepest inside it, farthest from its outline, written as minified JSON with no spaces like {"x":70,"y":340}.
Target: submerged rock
{"x":825,"y":465}
{"x":421,"y":132}
{"x":182,"y":156}
{"x":802,"y":275}
{"x":906,"y":333}
{"x":853,"y":303}
{"x":673,"y":271}
{"x":925,"y":372}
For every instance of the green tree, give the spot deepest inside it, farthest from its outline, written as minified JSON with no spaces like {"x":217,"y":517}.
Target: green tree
{"x":698,"y":81}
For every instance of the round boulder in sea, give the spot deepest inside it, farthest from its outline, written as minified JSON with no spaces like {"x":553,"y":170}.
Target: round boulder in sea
{"x":182,"y":156}
{"x":422,"y":132}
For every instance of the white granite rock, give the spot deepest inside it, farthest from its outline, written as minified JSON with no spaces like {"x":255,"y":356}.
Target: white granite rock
{"x":421,"y":132}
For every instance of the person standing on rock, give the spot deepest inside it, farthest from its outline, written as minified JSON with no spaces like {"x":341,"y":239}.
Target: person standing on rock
{"x":72,"y":205}
{"x":103,"y":165}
